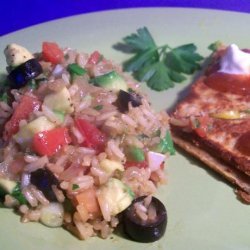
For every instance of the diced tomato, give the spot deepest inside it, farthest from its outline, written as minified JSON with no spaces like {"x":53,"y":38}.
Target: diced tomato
{"x":202,"y":125}
{"x":94,"y":58}
{"x":49,"y":142}
{"x":142,"y":164}
{"x":89,"y":200}
{"x":52,"y":53}
{"x":93,"y":137}
{"x":27,"y":105}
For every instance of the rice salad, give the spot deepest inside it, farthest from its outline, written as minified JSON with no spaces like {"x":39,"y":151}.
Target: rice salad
{"x":79,"y":140}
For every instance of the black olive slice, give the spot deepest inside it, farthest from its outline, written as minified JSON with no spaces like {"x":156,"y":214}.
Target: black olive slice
{"x":145,"y":231}
{"x":25,"y":72}
{"x":124,"y":98}
{"x":43,"y":179}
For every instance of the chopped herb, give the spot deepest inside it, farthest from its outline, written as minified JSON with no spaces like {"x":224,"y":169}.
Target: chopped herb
{"x":196,"y":123}
{"x":130,"y":90}
{"x":142,"y":136}
{"x":17,"y":194}
{"x":75,"y":186}
{"x":129,"y":191}
{"x":214,"y":46}
{"x":32,"y":84}
{"x":246,"y":111}
{"x":98,"y":107}
{"x":74,"y":68}
{"x":159,"y":66}
{"x":166,"y":145}
{"x":42,"y":79}
{"x":4,"y":97}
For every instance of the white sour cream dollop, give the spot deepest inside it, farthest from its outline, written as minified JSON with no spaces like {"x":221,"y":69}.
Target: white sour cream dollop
{"x":235,"y":61}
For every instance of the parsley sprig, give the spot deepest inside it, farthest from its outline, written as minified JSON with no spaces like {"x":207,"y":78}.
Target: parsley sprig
{"x":159,"y":66}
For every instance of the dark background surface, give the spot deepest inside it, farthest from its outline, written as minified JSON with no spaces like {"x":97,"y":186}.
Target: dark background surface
{"x":18,"y":14}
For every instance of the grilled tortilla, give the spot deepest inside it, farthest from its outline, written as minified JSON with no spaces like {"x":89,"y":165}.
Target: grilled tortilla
{"x":212,"y":125}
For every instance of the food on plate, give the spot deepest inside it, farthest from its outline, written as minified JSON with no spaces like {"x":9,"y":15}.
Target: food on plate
{"x":80,"y":142}
{"x":213,"y":123}
{"x":159,"y":66}
{"x":145,"y":220}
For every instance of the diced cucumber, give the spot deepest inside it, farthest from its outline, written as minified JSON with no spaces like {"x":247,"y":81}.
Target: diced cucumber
{"x":111,"y":80}
{"x":60,"y":115}
{"x":59,"y":101}
{"x":116,"y":195}
{"x":110,"y":166}
{"x":135,"y":154}
{"x":27,"y":132}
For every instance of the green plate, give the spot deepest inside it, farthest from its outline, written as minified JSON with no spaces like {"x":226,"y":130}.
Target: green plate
{"x":203,"y":210}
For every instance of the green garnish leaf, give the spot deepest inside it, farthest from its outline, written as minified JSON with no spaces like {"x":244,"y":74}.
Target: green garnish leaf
{"x":159,"y":66}
{"x":214,"y":46}
{"x":140,"y":41}
{"x":98,"y":107}
{"x":75,"y":186}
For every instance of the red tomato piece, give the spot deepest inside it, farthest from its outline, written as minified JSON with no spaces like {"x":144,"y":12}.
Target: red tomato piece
{"x":27,"y":105}
{"x":202,"y":128}
{"x":52,"y":53}
{"x":94,"y":58}
{"x":93,"y":137}
{"x":50,"y":141}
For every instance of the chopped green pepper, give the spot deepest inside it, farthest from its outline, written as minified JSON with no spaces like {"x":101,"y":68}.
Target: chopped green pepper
{"x":74,"y":68}
{"x":98,"y":107}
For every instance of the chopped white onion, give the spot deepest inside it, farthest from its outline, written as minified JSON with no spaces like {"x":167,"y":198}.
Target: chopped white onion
{"x":25,"y":180}
{"x":155,"y":160}
{"x":58,"y":70}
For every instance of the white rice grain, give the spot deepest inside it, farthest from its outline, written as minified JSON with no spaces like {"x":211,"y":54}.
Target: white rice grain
{"x":33,"y":166}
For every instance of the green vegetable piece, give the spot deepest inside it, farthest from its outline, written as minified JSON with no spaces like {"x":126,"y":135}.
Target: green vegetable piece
{"x":140,"y":41}
{"x":4,"y":97}
{"x":111,"y":80}
{"x":60,"y":115}
{"x":32,"y":84}
{"x":2,"y":192}
{"x":68,"y":206}
{"x":214,"y":46}
{"x":130,"y":191}
{"x":74,"y":68}
{"x":17,"y":194}
{"x":75,"y":186}
{"x":135,"y":154}
{"x":166,"y":145}
{"x":159,"y":66}
{"x":98,"y":107}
